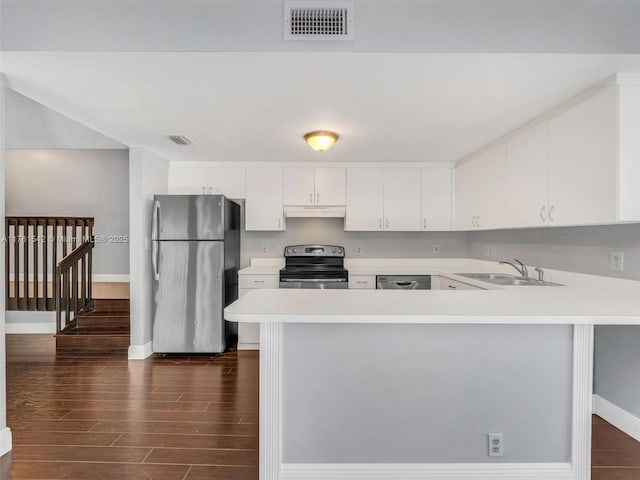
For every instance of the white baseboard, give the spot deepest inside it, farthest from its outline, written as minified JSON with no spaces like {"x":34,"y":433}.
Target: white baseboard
{"x":5,"y":440}
{"x":248,"y":346}
{"x":30,"y":322}
{"x":140,"y":352}
{"x":96,"y":277}
{"x":616,"y":416}
{"x":428,"y":471}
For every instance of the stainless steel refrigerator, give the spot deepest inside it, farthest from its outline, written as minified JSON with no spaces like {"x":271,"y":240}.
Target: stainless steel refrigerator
{"x":195,"y":256}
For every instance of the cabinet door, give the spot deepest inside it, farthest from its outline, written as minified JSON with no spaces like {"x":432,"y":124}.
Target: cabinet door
{"x":492,"y":188}
{"x":330,"y":186}
{"x":187,"y":180}
{"x":299,"y":186}
{"x":248,"y":333}
{"x":228,"y":181}
{"x":436,"y":199}
{"x":528,"y":177}
{"x":365,"y":193}
{"x":263,"y":206}
{"x":402,"y":201}
{"x":583,"y":162}
{"x":467,"y":192}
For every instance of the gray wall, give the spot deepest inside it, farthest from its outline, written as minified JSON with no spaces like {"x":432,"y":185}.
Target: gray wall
{"x":617,"y":366}
{"x":31,"y":125}
{"x":373,"y":244}
{"x":531,"y":26}
{"x":426,"y":393}
{"x":576,"y":249}
{"x":93,"y":183}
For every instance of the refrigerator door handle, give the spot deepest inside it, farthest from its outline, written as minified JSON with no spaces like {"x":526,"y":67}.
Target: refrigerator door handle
{"x":155,"y":224}
{"x":154,"y":259}
{"x":155,"y":236}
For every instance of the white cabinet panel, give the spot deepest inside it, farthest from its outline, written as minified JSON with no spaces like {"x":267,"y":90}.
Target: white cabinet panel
{"x":492,"y":180}
{"x":228,"y":181}
{"x":583,"y":149}
{"x":188,"y":180}
{"x":362,"y":281}
{"x":330,"y":186}
{"x":528,"y":177}
{"x":467,"y":191}
{"x":402,"y":202}
{"x":299,"y":186}
{"x":264,"y":203}
{"x":436,"y":198}
{"x":258,"y":281}
{"x":365,"y":199}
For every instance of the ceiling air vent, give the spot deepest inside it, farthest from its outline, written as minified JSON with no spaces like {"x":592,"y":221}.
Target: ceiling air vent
{"x":318,"y":21}
{"x":180,"y":140}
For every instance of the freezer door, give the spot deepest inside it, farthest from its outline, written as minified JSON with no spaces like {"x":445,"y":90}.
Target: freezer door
{"x":188,"y":297}
{"x":187,"y":217}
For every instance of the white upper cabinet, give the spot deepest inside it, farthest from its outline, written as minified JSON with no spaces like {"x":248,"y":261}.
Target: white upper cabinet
{"x":583,"y":154}
{"x":528,"y":177}
{"x":330,"y":186}
{"x":383,"y":199}
{"x":188,"y":180}
{"x":228,"y":181}
{"x":402,"y":199}
{"x":365,"y":199}
{"x":436,"y":198}
{"x":481,"y":196}
{"x":299,"y":186}
{"x":264,"y":199}
{"x":314,"y":186}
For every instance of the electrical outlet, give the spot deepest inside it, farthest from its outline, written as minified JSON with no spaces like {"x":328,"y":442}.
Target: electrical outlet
{"x":494,"y":251}
{"x":487,"y":250}
{"x":616,"y":261}
{"x":496,"y":444}
{"x":436,"y":249}
{"x":358,"y":250}
{"x":265,"y":249}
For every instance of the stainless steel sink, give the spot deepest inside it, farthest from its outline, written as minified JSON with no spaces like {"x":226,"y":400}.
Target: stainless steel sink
{"x":508,"y":280}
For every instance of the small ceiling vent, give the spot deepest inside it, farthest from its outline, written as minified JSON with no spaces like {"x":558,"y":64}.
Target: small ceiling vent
{"x":180,"y":140}
{"x":318,"y":20}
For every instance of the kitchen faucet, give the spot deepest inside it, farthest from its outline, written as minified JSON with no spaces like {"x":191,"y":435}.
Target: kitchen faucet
{"x":522,"y":270}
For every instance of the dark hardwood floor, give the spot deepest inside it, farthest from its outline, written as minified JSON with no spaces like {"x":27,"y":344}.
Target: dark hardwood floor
{"x":81,"y":417}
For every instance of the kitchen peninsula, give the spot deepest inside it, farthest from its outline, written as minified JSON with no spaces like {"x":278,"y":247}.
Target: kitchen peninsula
{"x":409,"y":384}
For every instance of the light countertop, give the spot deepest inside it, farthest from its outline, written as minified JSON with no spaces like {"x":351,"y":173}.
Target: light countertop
{"x":585,"y":299}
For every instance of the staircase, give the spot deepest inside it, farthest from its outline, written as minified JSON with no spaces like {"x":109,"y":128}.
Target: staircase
{"x":104,"y":330}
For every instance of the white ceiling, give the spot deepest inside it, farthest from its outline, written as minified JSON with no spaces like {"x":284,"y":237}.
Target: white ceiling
{"x":256,"y":106}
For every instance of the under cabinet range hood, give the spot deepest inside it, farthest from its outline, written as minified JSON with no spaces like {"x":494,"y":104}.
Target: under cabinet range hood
{"x":317,"y":212}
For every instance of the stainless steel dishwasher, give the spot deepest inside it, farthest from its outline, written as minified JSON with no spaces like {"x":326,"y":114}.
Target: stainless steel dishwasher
{"x":403,"y":282}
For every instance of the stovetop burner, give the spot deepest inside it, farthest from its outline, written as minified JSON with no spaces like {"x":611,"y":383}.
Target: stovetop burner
{"x":313,"y":263}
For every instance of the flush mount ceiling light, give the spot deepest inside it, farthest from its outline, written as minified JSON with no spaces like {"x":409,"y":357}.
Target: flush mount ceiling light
{"x":321,"y":140}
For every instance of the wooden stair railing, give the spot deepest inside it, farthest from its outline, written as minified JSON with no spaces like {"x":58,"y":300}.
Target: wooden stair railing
{"x":72,"y":286}
{"x":33,"y":248}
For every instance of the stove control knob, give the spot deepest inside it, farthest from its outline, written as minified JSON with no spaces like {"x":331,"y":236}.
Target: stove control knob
{"x":295,"y":250}
{"x":334,"y":250}
{"x":288,"y":250}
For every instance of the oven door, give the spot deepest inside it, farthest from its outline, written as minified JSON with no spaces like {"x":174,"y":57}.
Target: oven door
{"x":324,"y":283}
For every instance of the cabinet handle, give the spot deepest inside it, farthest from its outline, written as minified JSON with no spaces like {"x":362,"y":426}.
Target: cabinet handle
{"x":478,"y":221}
{"x":361,"y":281}
{"x":380,"y":224}
{"x":473,"y":221}
{"x":279,"y":223}
{"x":317,"y":199}
{"x":210,"y":189}
{"x":258,"y":281}
{"x":453,"y":286}
{"x":311,"y":198}
{"x":551,"y":208}
{"x":424,"y":223}
{"x":204,"y":190}
{"x":387,"y":224}
{"x":542,"y":217}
